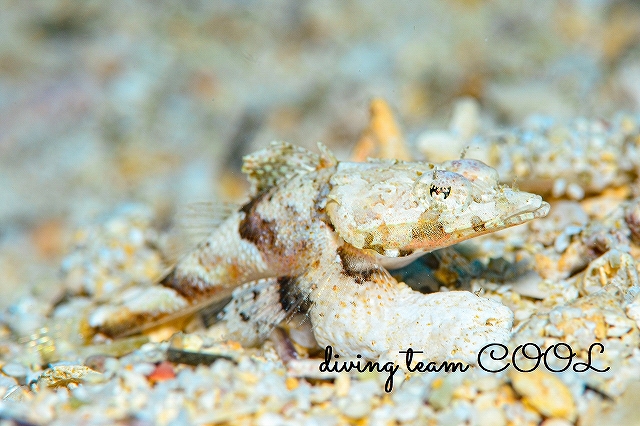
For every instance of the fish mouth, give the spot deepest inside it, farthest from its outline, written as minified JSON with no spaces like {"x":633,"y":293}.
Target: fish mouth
{"x":533,"y":210}
{"x":518,"y":208}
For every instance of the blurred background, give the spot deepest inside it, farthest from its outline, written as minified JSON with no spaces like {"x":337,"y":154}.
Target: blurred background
{"x":104,"y":102}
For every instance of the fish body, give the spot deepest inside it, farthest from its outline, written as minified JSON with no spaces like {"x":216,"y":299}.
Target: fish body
{"x":317,"y":236}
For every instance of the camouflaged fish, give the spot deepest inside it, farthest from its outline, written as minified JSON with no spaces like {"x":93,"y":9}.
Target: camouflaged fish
{"x":317,"y":236}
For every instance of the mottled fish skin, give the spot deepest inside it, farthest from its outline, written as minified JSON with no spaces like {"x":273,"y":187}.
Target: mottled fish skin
{"x":274,"y":235}
{"x":317,"y":235}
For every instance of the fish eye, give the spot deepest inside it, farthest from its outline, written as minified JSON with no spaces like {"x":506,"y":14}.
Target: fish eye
{"x":439,"y":191}
{"x":444,"y":189}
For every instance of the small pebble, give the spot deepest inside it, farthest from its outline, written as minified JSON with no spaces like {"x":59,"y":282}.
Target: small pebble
{"x":18,"y":393}
{"x":163,"y":371}
{"x":96,"y":362}
{"x":13,"y":369}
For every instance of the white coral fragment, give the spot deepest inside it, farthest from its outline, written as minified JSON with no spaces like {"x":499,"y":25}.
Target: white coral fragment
{"x":448,"y":325}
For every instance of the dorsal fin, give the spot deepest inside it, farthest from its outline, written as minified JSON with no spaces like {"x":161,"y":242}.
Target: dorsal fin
{"x":281,"y":161}
{"x":193,"y":223}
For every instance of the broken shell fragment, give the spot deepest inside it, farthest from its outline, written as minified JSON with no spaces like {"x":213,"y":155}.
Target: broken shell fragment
{"x":64,"y":375}
{"x":614,"y":267}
